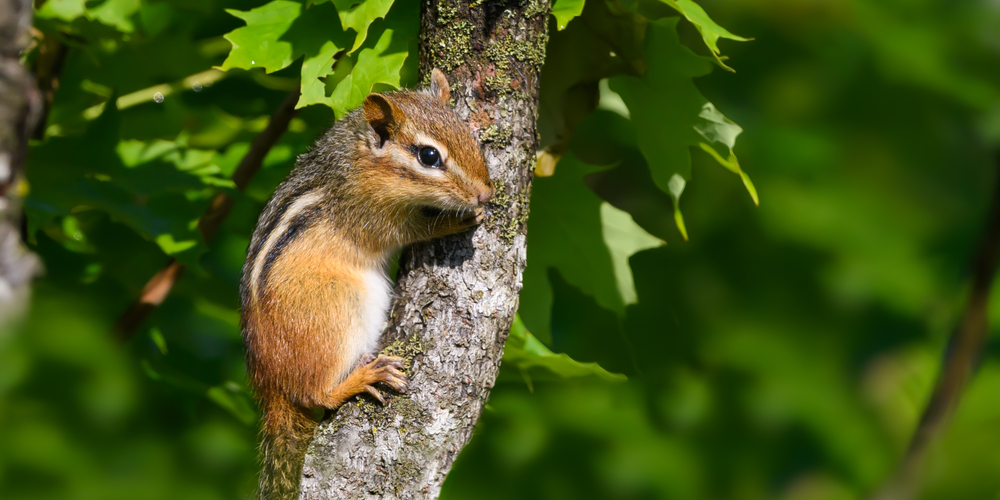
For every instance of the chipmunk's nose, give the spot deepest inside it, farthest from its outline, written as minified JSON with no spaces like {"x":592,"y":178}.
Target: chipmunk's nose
{"x":484,"y":195}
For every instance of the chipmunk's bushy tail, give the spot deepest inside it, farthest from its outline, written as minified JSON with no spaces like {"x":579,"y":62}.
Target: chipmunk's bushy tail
{"x":286,"y":431}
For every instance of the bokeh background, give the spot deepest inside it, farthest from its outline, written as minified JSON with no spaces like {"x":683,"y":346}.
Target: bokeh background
{"x":785,"y":351}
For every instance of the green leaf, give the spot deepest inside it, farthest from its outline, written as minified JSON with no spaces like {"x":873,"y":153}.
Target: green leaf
{"x":115,"y":13}
{"x":664,"y":104}
{"x":161,"y":343}
{"x":710,"y":32}
{"x":377,"y":65}
{"x":171,"y":246}
{"x":624,"y":238}
{"x":260,"y":44}
{"x":565,"y":10}
{"x":603,"y":43}
{"x":279,"y":33}
{"x":315,"y":69}
{"x":670,"y":114}
{"x":716,"y":128}
{"x":66,"y":10}
{"x":158,"y":189}
{"x":525,"y":351}
{"x":358,"y":15}
{"x":582,"y":237}
{"x":676,"y":188}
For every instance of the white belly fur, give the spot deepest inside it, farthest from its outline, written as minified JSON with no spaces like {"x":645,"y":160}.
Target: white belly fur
{"x":374,"y":306}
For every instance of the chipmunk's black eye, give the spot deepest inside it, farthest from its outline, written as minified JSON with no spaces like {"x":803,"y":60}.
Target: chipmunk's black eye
{"x":429,"y":156}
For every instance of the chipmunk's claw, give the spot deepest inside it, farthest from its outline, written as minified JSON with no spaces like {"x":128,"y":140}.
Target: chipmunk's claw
{"x":387,"y":370}
{"x":374,"y":392}
{"x":475,"y":219}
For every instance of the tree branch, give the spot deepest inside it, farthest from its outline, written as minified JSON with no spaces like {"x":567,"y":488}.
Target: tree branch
{"x":455,"y":298}
{"x":159,"y":286}
{"x":964,"y":349}
{"x":20,"y":106}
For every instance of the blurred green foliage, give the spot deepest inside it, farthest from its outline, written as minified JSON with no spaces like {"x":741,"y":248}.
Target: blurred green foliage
{"x":785,"y":351}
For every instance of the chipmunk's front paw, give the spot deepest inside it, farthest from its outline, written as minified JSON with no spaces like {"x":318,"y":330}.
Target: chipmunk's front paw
{"x":475,"y":219}
{"x":387,"y":370}
{"x":456,"y":223}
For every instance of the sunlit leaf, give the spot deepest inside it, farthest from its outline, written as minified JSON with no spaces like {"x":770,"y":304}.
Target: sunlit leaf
{"x":525,"y":351}
{"x":161,"y":343}
{"x":117,"y":14}
{"x":710,"y":31}
{"x":624,"y":238}
{"x":716,"y":128}
{"x":281,"y":32}
{"x":315,"y":69}
{"x":380,"y":64}
{"x":67,"y":10}
{"x":565,"y":10}
{"x":261,"y":43}
{"x":358,"y":15}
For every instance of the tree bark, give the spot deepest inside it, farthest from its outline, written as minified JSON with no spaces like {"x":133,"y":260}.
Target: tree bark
{"x":20,"y":104}
{"x":455,"y":298}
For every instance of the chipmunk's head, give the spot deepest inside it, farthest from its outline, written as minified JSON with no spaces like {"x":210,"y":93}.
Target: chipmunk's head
{"x":426,"y":153}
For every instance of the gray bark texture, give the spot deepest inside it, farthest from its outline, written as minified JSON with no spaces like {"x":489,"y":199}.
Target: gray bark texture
{"x":455,"y":298}
{"x":20,"y":104}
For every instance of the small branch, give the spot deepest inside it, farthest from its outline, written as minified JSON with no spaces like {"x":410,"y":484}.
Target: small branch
{"x":964,"y":349}
{"x":159,"y":286}
{"x":205,"y":78}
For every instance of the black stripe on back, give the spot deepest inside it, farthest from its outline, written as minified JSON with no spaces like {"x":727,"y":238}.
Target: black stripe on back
{"x":279,"y":213}
{"x":297,"y":226}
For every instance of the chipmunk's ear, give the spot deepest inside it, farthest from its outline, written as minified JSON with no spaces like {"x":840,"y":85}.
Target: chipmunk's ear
{"x":440,"y":87}
{"x":384,"y":117}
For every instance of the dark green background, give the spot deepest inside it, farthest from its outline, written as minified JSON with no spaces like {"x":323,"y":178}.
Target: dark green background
{"x":786,"y":351}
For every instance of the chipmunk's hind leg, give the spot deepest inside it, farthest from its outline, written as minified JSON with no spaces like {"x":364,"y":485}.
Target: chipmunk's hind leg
{"x":385,"y":369}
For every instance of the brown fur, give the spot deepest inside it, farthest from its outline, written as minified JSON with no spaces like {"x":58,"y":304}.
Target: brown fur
{"x":354,"y":198}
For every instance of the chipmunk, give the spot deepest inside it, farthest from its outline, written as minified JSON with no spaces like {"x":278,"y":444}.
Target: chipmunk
{"x":402,"y":168}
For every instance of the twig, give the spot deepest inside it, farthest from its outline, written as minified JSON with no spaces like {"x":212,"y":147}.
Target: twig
{"x":159,"y":286}
{"x":195,"y":81}
{"x":960,"y":361}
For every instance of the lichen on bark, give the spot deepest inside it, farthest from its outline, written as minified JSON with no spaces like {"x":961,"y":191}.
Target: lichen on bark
{"x":455,"y":298}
